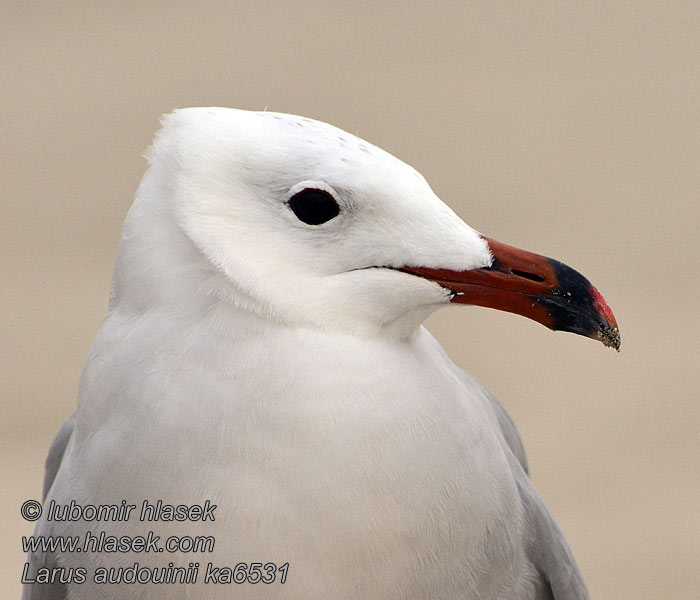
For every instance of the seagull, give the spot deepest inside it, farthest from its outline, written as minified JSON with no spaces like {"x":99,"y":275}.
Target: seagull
{"x":264,"y":360}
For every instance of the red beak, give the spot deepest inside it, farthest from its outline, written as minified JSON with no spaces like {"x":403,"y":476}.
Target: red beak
{"x":537,"y":287}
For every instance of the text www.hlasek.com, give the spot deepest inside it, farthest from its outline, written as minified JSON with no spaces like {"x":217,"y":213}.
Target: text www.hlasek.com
{"x":102,"y":542}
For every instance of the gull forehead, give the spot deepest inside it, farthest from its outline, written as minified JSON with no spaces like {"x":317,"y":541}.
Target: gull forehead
{"x":277,"y":148}
{"x":281,"y":129}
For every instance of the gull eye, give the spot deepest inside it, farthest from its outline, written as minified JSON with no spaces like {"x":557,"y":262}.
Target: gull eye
{"x":313,"y":206}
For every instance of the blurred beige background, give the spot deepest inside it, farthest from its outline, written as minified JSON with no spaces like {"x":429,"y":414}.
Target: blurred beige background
{"x":570,"y":129}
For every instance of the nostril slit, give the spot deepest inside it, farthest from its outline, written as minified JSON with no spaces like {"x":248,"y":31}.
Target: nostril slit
{"x":524,"y":274}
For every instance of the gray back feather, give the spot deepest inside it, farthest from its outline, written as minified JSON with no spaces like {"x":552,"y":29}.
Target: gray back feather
{"x":547,"y":549}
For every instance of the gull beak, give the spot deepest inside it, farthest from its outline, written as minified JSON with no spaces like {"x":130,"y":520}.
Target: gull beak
{"x":534,"y":286}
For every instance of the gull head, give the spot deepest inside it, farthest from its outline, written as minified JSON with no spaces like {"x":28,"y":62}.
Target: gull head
{"x":301,"y":223}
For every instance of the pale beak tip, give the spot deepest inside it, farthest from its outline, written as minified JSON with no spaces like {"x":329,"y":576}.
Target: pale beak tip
{"x":610,"y":336}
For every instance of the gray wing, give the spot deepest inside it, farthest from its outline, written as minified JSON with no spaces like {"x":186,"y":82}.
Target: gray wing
{"x":58,"y":447}
{"x":39,"y":560}
{"x":510,"y":433}
{"x":546,"y":547}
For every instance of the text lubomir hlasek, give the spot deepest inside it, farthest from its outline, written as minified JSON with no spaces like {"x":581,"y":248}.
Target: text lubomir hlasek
{"x":159,"y":511}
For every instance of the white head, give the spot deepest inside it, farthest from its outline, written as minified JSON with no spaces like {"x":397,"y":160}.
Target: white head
{"x":224,"y":178}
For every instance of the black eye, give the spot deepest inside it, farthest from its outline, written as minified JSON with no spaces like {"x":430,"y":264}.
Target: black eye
{"x":314,"y":206}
